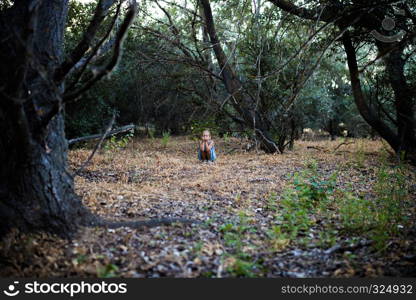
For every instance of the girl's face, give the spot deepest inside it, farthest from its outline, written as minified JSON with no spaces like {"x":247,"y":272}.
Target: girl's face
{"x":206,"y":136}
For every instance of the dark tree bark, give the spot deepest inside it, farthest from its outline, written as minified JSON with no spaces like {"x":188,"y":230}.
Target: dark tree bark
{"x":404,"y":99}
{"x":332,"y":127}
{"x":404,"y":138}
{"x":36,"y":189}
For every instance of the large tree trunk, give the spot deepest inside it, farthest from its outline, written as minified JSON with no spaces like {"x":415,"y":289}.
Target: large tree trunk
{"x":241,"y":100}
{"x":38,"y":194}
{"x":404,"y":99}
{"x":36,"y":190}
{"x":401,"y":140}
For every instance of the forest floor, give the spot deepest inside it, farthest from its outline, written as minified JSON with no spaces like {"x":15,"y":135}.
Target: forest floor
{"x":321,"y":210}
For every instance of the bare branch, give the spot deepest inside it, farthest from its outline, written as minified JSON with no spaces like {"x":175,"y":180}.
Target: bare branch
{"x":103,"y":71}
{"x":100,"y":13}
{"x":106,"y":132}
{"x":98,"y":50}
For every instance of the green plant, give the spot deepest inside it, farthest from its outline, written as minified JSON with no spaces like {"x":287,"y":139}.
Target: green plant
{"x":165,"y":138}
{"x":277,"y":238}
{"x":327,"y":238}
{"x":226,"y":137}
{"x":242,"y":268}
{"x":234,"y":235}
{"x":378,"y":217}
{"x":272,"y":202}
{"x":355,"y":213}
{"x":151,"y":132}
{"x":109,"y":270}
{"x":114,"y":142}
{"x":197,"y":247}
{"x":197,"y":127}
{"x":81,"y":258}
{"x":360,"y":154}
{"x":308,"y":195}
{"x":227,"y":227}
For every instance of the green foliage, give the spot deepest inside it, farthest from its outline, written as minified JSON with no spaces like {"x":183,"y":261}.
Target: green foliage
{"x":234,"y":240}
{"x":380,"y":218}
{"x":234,"y":233}
{"x":108,"y":271}
{"x":308,"y":195}
{"x":312,"y":196}
{"x":165,"y":139}
{"x":243,"y":268}
{"x":198,"y":247}
{"x":226,"y":137}
{"x":272,"y":204}
{"x":151,"y":133}
{"x":198,"y":126}
{"x":184,"y":99}
{"x":115,"y":142}
{"x":355,"y":213}
{"x":89,"y":117}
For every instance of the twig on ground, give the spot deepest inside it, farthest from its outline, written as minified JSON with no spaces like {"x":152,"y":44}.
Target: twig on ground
{"x":317,"y":148}
{"x":343,"y":144}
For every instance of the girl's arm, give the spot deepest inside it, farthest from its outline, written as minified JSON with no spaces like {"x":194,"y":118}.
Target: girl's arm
{"x":210,"y":144}
{"x":202,"y":146}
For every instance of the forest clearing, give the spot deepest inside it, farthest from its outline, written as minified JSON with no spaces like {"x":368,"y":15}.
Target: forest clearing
{"x":208,"y":139}
{"x":349,"y":211}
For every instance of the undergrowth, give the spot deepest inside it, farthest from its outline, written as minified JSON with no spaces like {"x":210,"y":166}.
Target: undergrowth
{"x":314,"y":211}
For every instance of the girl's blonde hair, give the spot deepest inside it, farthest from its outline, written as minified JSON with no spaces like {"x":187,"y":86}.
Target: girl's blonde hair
{"x":206,"y":131}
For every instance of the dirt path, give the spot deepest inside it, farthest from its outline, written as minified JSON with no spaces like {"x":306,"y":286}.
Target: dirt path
{"x":232,"y":198}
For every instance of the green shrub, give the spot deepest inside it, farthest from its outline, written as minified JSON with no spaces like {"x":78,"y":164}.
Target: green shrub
{"x":108,"y":271}
{"x":165,"y":139}
{"x":114,"y":143}
{"x":379,"y":217}
{"x":308,"y":195}
{"x":197,"y":127}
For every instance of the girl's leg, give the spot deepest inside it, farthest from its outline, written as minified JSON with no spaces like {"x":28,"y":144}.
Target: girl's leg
{"x":213,"y":155}
{"x":203,"y":155}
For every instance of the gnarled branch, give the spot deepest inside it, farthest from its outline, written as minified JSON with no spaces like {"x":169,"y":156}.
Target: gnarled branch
{"x":100,"y":13}
{"x":103,"y":71}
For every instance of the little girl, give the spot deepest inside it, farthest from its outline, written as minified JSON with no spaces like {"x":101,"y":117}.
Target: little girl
{"x":206,"y":151}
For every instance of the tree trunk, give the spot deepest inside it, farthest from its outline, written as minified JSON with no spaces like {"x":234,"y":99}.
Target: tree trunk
{"x":332,"y":129}
{"x":36,"y":190}
{"x":242,"y":101}
{"x":293,"y":133}
{"x":402,"y":140}
{"x":404,"y":99}
{"x":38,"y":194}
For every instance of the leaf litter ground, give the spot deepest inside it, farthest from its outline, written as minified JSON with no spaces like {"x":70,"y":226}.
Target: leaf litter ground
{"x":149,"y":181}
